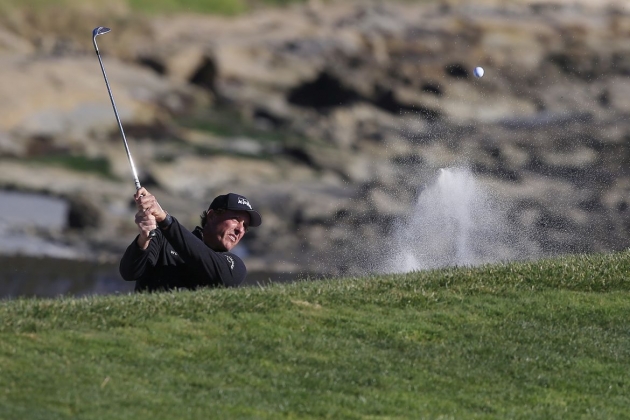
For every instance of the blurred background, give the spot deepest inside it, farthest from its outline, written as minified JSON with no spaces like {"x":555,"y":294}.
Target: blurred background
{"x":356,"y":128}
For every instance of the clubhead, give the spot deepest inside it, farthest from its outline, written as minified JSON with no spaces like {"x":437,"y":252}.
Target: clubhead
{"x":100,"y":31}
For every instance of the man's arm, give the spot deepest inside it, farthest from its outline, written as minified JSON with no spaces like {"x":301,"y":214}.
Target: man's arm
{"x":144,"y":250}
{"x":136,"y":261}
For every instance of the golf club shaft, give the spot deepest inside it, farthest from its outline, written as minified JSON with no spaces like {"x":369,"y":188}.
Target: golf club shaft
{"x":136,"y":181}
{"x":122,"y":132}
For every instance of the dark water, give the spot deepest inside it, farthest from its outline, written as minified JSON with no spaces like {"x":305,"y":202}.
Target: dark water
{"x":50,"y":277}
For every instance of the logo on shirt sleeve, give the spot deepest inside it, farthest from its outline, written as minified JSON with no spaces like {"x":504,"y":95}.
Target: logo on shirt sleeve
{"x":230,"y":262}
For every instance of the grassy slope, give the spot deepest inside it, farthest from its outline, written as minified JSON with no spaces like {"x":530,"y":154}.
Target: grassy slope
{"x":535,"y":340}
{"x":224,"y":7}
{"x":220,"y":7}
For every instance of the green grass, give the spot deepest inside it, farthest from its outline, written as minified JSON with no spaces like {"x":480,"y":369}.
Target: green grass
{"x":214,"y":7}
{"x":230,"y":123}
{"x":218,"y":7}
{"x":223,"y":7}
{"x":546,"y":339}
{"x":98,"y":166}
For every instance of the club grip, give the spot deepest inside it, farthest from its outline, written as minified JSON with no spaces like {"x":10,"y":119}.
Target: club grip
{"x":153,"y":233}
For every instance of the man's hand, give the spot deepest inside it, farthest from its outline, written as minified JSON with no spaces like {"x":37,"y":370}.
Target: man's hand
{"x":148,"y":215}
{"x":146,"y":223}
{"x":146,"y":202}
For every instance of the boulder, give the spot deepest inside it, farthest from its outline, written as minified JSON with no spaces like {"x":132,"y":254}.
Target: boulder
{"x":83,"y":213}
{"x":66,"y":99}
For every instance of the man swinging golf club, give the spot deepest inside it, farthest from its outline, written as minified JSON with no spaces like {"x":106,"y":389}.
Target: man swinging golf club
{"x":166,"y":256}
{"x":175,"y":258}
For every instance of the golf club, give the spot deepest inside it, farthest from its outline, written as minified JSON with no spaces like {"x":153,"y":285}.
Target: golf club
{"x":96,"y":32}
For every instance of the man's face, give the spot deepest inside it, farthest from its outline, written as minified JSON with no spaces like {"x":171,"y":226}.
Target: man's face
{"x":223,"y":230}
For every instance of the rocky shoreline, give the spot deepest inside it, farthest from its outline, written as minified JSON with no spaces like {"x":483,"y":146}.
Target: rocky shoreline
{"x":333,"y":119}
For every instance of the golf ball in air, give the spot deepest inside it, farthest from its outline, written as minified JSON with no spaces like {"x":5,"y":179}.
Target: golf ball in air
{"x":478,"y":71}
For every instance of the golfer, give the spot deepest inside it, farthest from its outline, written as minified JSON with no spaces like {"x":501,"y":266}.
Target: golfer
{"x":175,"y":258}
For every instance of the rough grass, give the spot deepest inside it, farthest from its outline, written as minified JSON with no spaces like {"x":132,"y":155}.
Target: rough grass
{"x":220,"y":7}
{"x":545,"y":339}
{"x":99,"y":166}
{"x":214,"y":7}
{"x":41,"y":21}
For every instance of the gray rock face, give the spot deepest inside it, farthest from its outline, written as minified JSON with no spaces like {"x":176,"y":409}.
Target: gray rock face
{"x":335,"y":121}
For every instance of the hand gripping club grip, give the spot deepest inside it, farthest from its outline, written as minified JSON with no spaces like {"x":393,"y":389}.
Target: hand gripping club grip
{"x":153,"y":233}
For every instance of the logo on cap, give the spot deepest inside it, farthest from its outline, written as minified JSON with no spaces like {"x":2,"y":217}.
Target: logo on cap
{"x":237,"y":202}
{"x":244,"y":201}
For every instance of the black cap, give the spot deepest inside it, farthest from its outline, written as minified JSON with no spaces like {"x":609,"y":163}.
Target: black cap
{"x":233,"y":201}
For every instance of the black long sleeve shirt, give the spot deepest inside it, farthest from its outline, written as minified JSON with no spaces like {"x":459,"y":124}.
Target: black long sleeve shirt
{"x":177,"y":258}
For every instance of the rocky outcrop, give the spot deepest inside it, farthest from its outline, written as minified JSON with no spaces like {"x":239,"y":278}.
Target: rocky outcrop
{"x":334,"y":118}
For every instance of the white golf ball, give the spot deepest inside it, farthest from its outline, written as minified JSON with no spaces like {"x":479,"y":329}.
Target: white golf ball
{"x":478,"y":72}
